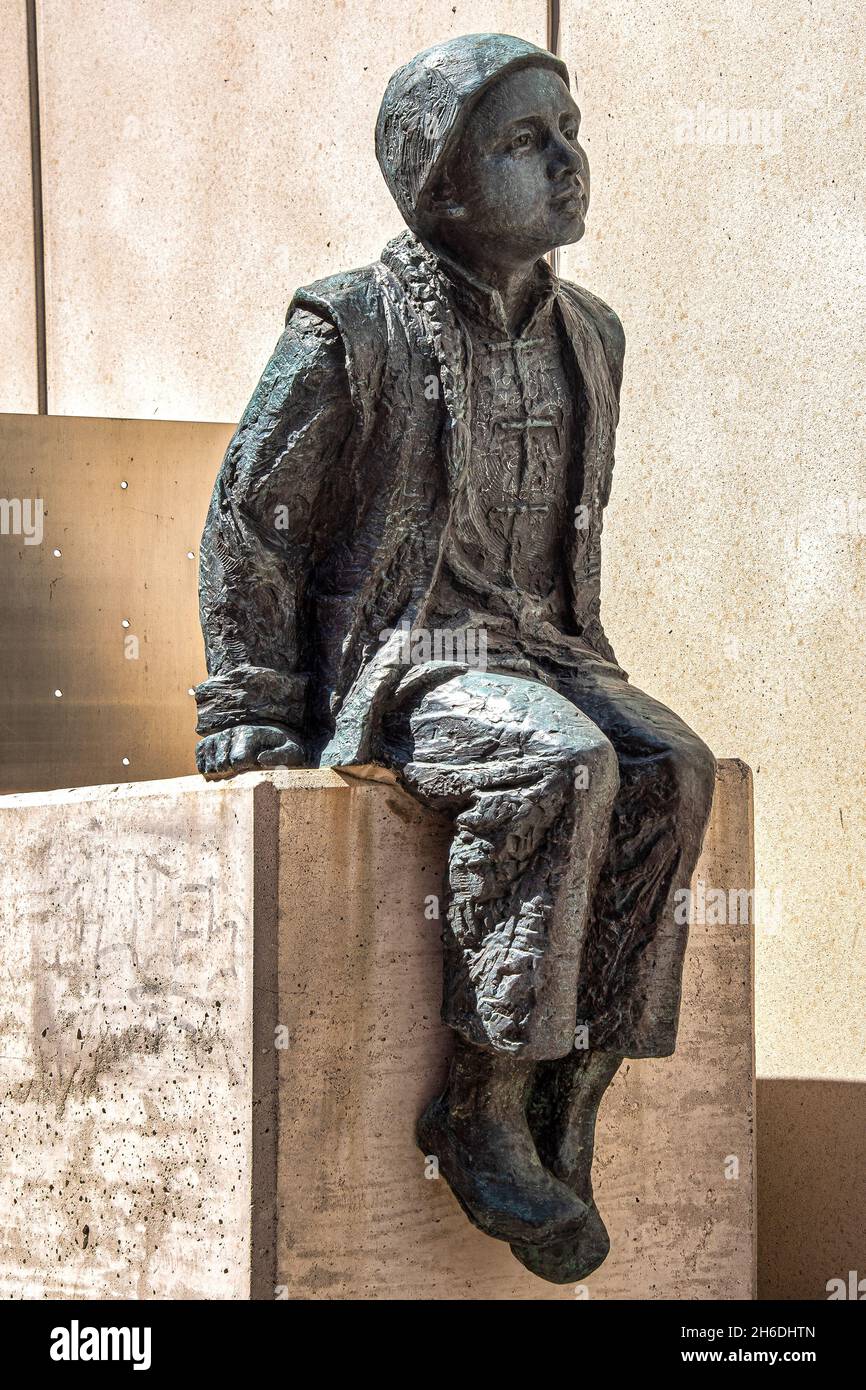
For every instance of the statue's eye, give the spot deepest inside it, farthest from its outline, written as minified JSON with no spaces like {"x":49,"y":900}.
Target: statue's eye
{"x":523,"y":141}
{"x":570,"y":133}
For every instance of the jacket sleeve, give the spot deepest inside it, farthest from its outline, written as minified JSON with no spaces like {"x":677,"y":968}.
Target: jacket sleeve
{"x":611,"y":332}
{"x":278,"y":496}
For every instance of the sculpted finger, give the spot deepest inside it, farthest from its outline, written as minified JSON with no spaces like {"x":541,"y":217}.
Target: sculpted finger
{"x":209,"y":758}
{"x":245,"y":743}
{"x":222,"y":751}
{"x":288,"y":754}
{"x":208,"y":754}
{"x":271,"y":736}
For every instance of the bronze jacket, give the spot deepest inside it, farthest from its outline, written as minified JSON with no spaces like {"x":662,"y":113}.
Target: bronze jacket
{"x":334,"y":501}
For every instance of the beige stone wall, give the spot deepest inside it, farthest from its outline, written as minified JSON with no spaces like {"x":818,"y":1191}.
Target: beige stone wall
{"x":18,"y":390}
{"x":202,"y":161}
{"x":731,"y":587}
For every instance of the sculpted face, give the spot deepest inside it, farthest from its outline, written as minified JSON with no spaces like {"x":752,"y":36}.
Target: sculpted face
{"x":518,"y":183}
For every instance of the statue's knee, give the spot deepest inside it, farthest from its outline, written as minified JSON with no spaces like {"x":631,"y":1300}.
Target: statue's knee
{"x":589,"y":758}
{"x":597,"y":768}
{"x":693,"y":772}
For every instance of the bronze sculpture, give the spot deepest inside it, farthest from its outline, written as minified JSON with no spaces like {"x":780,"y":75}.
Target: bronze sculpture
{"x":430,"y":451}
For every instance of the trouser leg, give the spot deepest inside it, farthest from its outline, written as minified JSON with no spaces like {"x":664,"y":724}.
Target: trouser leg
{"x":530,"y":782}
{"x":631,"y":971}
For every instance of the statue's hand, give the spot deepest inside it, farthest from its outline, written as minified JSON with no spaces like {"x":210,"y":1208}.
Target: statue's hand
{"x":247,"y":748}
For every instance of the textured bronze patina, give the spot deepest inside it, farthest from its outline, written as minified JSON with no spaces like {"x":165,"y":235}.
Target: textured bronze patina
{"x":401,"y":565}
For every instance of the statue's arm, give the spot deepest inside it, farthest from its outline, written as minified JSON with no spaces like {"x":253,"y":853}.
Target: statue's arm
{"x":611,"y":332}
{"x":277,"y":497}
{"x":612,"y":335}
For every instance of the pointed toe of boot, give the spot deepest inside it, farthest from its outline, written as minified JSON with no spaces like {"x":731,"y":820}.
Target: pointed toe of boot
{"x":567,"y":1258}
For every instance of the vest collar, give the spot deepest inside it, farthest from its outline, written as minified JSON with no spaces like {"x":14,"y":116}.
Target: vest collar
{"x":472,"y":297}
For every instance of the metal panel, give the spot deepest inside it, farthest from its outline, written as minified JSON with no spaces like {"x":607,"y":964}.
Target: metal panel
{"x":127,"y":555}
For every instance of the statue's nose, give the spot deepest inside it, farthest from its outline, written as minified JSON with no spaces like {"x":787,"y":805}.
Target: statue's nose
{"x":566,"y":160}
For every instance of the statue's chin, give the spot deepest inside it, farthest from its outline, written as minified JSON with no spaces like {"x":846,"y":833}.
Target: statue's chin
{"x":575,"y":235}
{"x":567,"y":234}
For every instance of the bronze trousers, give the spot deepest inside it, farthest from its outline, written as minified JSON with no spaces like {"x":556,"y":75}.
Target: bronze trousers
{"x":579,"y":805}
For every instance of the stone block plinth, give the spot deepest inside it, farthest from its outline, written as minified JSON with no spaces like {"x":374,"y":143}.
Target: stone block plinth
{"x":219,"y":1009}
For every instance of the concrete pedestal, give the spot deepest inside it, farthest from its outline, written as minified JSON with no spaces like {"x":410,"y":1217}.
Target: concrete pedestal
{"x":219,"y":1018}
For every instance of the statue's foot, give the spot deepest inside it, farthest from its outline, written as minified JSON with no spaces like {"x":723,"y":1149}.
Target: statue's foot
{"x":498,"y":1179}
{"x":562,"y":1115}
{"x":567,"y":1260}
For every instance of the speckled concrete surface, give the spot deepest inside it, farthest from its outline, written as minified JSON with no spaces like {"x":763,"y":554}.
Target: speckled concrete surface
{"x":157,"y":941}
{"x":125,"y":1065}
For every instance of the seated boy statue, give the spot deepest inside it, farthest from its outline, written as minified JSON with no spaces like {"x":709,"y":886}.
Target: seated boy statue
{"x":418,"y":482}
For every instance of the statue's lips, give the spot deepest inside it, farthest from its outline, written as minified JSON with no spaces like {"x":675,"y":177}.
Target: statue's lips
{"x":570,"y":201}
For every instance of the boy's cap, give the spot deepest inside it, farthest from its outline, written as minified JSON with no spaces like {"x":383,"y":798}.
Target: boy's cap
{"x":426,"y":103}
